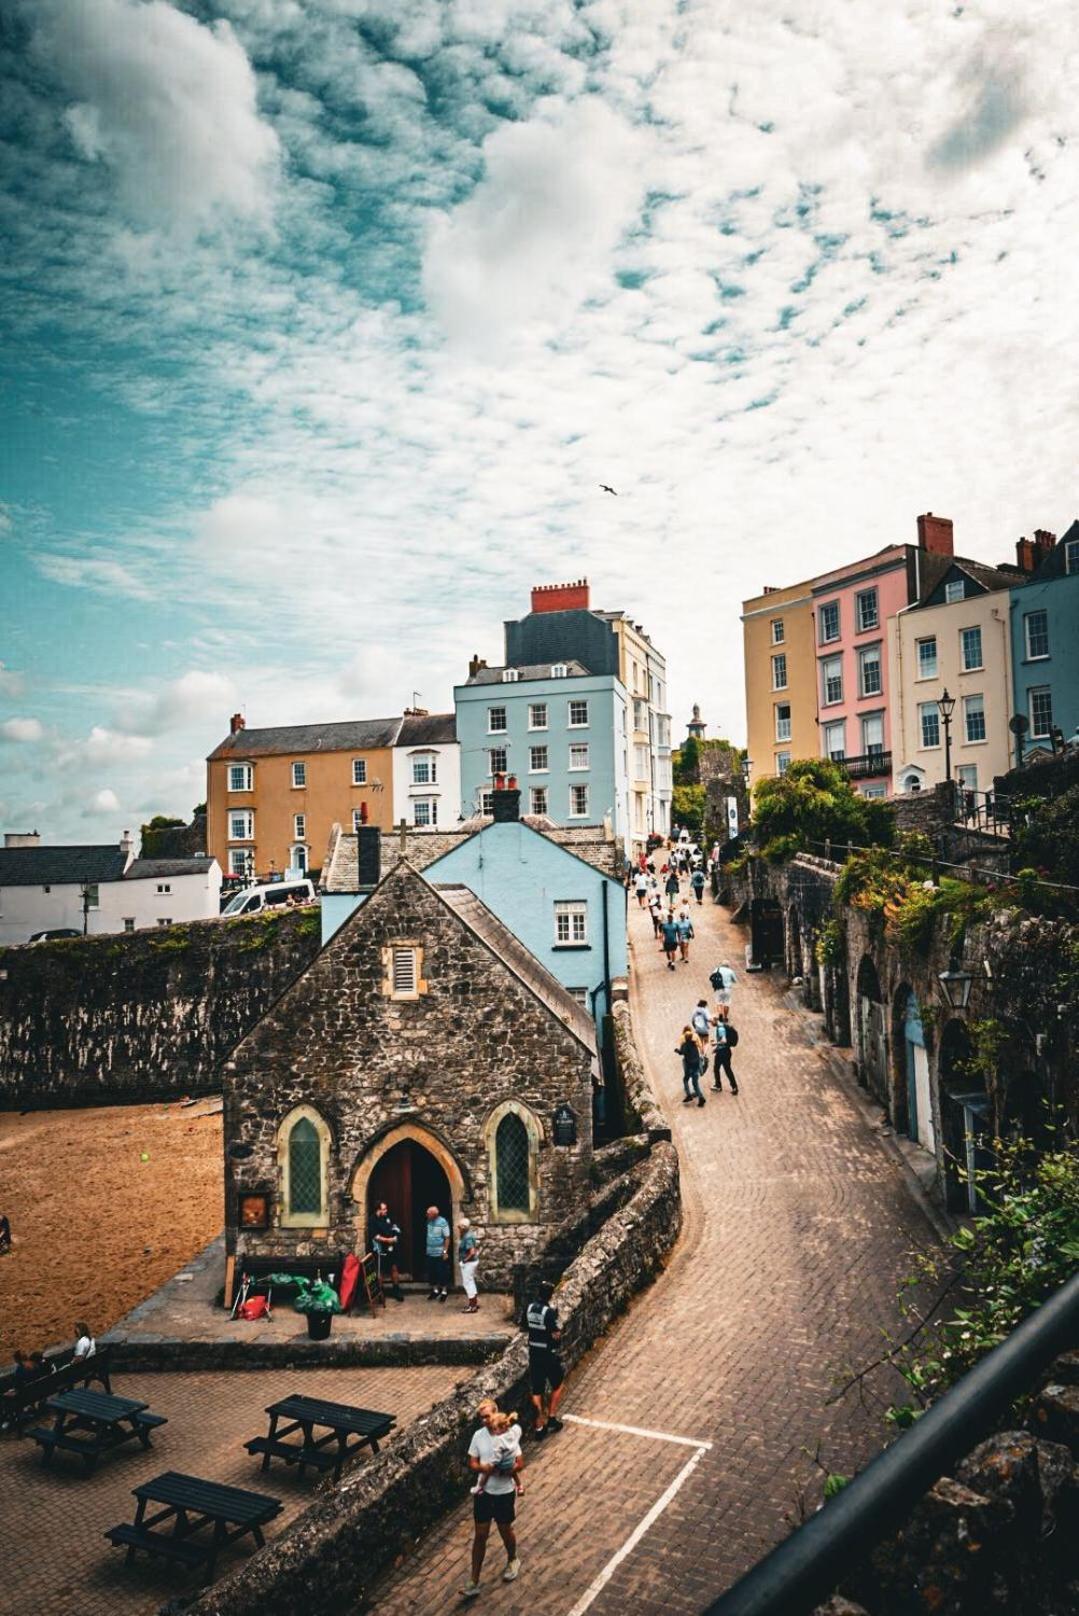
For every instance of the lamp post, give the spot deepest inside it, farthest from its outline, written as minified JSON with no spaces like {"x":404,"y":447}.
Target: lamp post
{"x":955,"y":985}
{"x":946,"y":707}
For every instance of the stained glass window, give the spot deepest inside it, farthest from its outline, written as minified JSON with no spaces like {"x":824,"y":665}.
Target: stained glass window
{"x":304,"y":1167}
{"x":511,"y":1157}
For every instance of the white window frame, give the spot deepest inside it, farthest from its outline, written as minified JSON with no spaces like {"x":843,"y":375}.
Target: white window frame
{"x":778,"y":632}
{"x":535,"y":707}
{"x":575,"y":792}
{"x":974,"y":707}
{"x":487,"y":803}
{"x":837,"y":754}
{"x":872,"y":748}
{"x":538,"y":759}
{"x":358,"y":821}
{"x":964,"y":665}
{"x":783,"y":762}
{"x":502,"y":768}
{"x":868,"y":654}
{"x":923,"y":671}
{"x":429,"y":805}
{"x":1040,"y":690}
{"x":238,"y":857}
{"x":537,"y":796}
{"x":298,"y":771}
{"x":129,"y":922}
{"x":559,"y":670}
{"x":1035,"y":656}
{"x":304,"y":861}
{"x":955,"y":589}
{"x":575,"y":751}
{"x":577,"y":723}
{"x":928,"y":710}
{"x":963,"y":773}
{"x":510,"y":676}
{"x":864,"y":624}
{"x":164,"y":886}
{"x":299,"y":827}
{"x":571,"y":923}
{"x":1071,"y":557}
{"x":247,"y":816}
{"x":823,"y":610}
{"x":783,"y":725}
{"x":501,"y":727}
{"x":359,"y":771}
{"x":428,"y":761}
{"x":779,"y":671}
{"x":246,"y":773}
{"x":826,"y":663}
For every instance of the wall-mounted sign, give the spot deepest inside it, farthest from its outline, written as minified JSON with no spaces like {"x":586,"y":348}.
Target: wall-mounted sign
{"x":732,"y":817}
{"x":254,"y":1210}
{"x":564,"y":1125}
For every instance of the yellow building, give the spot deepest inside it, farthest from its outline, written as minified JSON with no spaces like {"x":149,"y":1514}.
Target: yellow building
{"x":272,"y":795}
{"x":781,"y":679}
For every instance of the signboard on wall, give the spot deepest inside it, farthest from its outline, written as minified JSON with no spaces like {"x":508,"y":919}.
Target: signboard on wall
{"x":732,"y":817}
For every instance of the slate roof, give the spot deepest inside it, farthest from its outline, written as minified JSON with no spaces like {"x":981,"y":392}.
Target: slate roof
{"x":158,"y":869}
{"x":513,"y":953}
{"x":60,"y":866}
{"x":531,"y":670}
{"x":433,"y":729}
{"x":423,"y":847}
{"x":354,"y":735}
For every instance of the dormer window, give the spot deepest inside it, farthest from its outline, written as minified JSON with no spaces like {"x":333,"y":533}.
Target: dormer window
{"x":954,"y":590}
{"x":558,"y":670}
{"x":510,"y":676}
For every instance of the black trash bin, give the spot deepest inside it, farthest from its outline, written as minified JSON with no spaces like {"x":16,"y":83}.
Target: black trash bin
{"x":318,"y":1325}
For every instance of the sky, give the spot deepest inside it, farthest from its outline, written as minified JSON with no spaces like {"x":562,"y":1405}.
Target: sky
{"x":323,"y":320}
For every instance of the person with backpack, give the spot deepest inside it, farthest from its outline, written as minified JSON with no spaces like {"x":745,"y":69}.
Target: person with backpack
{"x":685,"y":933}
{"x":723,"y":980}
{"x":726,"y":1037}
{"x":696,"y":881}
{"x":670,"y":886}
{"x":690,"y":1051}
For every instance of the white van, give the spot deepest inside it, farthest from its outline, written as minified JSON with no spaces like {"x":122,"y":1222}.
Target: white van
{"x":274,"y":895}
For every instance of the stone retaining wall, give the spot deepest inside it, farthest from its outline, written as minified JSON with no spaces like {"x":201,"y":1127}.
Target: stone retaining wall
{"x":146,"y":1016}
{"x":642,"y":1111}
{"x":327,"y":1560}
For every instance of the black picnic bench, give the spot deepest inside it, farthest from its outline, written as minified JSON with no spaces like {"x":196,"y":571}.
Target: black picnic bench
{"x":91,"y":1424}
{"x":347,"y":1431}
{"x":205,"y":1516}
{"x":19,"y":1399}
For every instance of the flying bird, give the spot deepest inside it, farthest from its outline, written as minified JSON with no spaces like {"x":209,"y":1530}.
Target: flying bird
{"x":607,"y":489}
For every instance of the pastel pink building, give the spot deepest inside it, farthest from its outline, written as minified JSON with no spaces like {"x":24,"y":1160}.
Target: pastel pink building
{"x":851,"y":607}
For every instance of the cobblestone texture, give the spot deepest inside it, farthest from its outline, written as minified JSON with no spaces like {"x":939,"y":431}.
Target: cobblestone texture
{"x":56,"y":1561}
{"x":797,"y":1225}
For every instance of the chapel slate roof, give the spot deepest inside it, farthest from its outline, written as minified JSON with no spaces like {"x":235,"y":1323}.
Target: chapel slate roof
{"x":530,"y":670}
{"x":354,"y":734}
{"x":60,"y":866}
{"x":513,"y":953}
{"x":159,"y":869}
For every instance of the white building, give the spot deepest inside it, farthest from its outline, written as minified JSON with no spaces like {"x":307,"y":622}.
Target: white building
{"x":427,"y":771}
{"x":92,"y":890}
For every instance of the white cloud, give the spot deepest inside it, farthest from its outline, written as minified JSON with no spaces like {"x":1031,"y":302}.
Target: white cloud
{"x":195,"y":698}
{"x":11,"y":683}
{"x":103,"y":747}
{"x":22,"y":729}
{"x":104,"y":802}
{"x":104,"y":574}
{"x":167,"y":103}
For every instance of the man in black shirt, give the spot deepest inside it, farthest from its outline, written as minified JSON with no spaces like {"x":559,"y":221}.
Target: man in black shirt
{"x":384,"y":1237}
{"x":545,"y":1367}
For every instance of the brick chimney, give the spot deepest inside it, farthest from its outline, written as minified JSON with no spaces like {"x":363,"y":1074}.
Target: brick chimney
{"x":475,"y":664}
{"x":935,"y":534}
{"x":236,"y":723}
{"x":573,"y":597}
{"x":1044,"y":542}
{"x":1026,"y":554}
{"x":22,"y":838}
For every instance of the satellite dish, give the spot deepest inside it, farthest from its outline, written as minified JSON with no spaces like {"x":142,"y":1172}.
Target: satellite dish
{"x":1019,"y":724}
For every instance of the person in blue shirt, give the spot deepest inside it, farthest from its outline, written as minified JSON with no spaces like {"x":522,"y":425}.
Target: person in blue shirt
{"x":438,"y":1255}
{"x":726,"y":1038}
{"x":669,"y":929}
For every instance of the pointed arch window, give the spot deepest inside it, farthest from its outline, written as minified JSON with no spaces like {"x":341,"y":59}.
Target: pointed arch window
{"x":303,"y":1156}
{"x":513,"y":1141}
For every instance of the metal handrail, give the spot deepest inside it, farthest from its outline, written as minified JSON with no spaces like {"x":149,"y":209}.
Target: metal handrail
{"x":806,"y":1567}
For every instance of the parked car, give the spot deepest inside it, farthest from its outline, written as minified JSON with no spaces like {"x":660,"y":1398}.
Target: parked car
{"x":55,"y":934}
{"x":271,"y":895}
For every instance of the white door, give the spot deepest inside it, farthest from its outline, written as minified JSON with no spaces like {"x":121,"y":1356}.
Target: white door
{"x":926,"y":1136}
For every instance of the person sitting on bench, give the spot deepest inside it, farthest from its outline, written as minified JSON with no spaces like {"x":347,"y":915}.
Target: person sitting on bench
{"x":85,"y":1345}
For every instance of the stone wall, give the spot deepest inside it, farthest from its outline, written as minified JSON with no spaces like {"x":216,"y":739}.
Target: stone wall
{"x":119,"y":1019}
{"x":328,"y":1559}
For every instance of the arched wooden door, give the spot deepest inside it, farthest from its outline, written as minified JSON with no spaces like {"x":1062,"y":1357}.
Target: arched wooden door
{"x":409,"y":1180}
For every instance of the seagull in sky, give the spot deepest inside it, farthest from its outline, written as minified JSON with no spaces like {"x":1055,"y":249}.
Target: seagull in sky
{"x":607,"y":489}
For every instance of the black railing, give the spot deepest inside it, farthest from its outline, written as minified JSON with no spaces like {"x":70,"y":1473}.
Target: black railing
{"x":866,"y":766}
{"x":805,"y":1569}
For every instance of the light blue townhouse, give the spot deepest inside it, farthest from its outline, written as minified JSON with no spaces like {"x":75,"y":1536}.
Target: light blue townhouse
{"x":559,"y":729}
{"x":1045,"y":640}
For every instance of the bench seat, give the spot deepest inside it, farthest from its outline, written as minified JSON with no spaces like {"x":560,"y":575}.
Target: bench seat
{"x":151,"y":1421}
{"x":320,"y":1458}
{"x":170,"y":1548}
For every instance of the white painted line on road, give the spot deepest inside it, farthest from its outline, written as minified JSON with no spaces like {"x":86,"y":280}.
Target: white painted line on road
{"x":649,"y":1520}
{"x":636,"y":1430}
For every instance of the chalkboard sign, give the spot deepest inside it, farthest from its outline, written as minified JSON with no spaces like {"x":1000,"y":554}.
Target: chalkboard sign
{"x":564,"y":1127}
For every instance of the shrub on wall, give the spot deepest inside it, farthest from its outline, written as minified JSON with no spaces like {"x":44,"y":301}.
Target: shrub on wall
{"x":813,"y":804}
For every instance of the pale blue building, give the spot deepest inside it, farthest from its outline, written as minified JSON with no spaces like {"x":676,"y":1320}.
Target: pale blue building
{"x":1045,"y":644}
{"x":560,"y":729}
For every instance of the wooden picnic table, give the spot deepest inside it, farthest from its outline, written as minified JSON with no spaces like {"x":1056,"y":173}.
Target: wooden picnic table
{"x":347,"y":1431}
{"x":93,"y":1423}
{"x":193,"y":1505}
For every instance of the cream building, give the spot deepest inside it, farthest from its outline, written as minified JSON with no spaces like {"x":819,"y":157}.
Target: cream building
{"x":643,"y":671}
{"x":956,"y":641}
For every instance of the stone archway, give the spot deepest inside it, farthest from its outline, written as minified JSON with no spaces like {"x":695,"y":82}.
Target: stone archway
{"x":872,"y":1030}
{"x":396,"y":1142}
{"x":913,"y":1089}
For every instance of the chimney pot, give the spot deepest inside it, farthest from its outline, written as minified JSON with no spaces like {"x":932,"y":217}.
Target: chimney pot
{"x":1044,"y":540}
{"x":1025,"y":554}
{"x":572,"y":597}
{"x":237,"y":722}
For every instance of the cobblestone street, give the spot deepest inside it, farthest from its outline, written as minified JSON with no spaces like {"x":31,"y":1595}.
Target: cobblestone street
{"x":797,"y":1223}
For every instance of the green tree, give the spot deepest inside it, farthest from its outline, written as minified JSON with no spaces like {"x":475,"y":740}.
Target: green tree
{"x":1049,"y":841}
{"x":814,"y":802}
{"x":687,"y":808}
{"x":686,"y":763}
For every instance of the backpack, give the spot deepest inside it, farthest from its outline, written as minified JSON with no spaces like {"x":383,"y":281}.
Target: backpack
{"x":732,"y":1036}
{"x":716,"y":979}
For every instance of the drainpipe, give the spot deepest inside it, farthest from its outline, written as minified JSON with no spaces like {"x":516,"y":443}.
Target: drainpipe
{"x":606,"y":951}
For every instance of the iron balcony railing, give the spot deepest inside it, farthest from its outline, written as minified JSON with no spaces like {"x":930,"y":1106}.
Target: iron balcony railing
{"x":867,"y":765}
{"x":805,"y":1569}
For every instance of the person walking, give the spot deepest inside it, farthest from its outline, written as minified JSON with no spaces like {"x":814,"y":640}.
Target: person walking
{"x":655,"y":909}
{"x":669,"y":931}
{"x":438,"y":1255}
{"x":640,"y":886}
{"x":685,"y":933}
{"x":546,"y":1372}
{"x":468,"y":1256}
{"x":690,"y":1051}
{"x":497,"y":1502}
{"x":670,"y":886}
{"x":726,"y":1037}
{"x":384,"y":1237}
{"x":696,"y":881}
{"x":723,"y":980}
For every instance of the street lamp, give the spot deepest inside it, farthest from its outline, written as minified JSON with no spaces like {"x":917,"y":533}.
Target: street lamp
{"x":946,"y":707}
{"x":955,"y":985}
